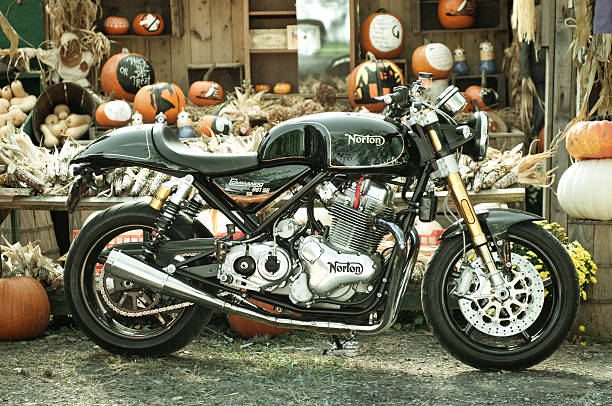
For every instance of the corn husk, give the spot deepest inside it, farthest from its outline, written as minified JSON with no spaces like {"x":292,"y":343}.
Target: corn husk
{"x":28,"y":260}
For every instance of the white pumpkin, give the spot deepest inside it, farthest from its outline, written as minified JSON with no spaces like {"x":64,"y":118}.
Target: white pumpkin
{"x":585,"y":189}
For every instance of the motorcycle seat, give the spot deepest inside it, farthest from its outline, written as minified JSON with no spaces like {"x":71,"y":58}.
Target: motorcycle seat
{"x":171,"y":148}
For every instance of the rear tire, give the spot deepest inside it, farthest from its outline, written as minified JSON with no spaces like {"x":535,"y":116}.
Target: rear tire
{"x":145,"y":335}
{"x":512,"y":352}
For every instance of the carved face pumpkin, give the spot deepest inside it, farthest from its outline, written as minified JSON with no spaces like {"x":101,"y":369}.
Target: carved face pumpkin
{"x":262,"y":88}
{"x":161,"y":97}
{"x":114,"y":25}
{"x":125,"y":73}
{"x":456,"y":14}
{"x":214,"y":124}
{"x":205,"y":92}
{"x":282,"y":88}
{"x":372,"y":79}
{"x":148,"y":24}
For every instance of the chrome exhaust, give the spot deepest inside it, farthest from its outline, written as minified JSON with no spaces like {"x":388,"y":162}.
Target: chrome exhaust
{"x":132,"y":269}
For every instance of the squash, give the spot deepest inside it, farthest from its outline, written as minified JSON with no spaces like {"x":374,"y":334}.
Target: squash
{"x":585,"y":189}
{"x":125,"y":74}
{"x":205,"y":92}
{"x":49,"y":139}
{"x":247,"y":328}
{"x":456,"y":14}
{"x":7,"y":93}
{"x":282,"y":88}
{"x":76,"y":120}
{"x":207,"y":125}
{"x":115,"y":25}
{"x":3,"y":117}
{"x":61,"y":111}
{"x":590,"y":139}
{"x":382,"y":34}
{"x":113,"y":113}
{"x":148,"y":24}
{"x":161,"y":97}
{"x":4,"y":105}
{"x":262,"y":88}
{"x":372,"y":78}
{"x":17,"y":117}
{"x":17,"y":89}
{"x":51,"y":119}
{"x":25,"y":104}
{"x":485,"y":99}
{"x":76,"y":132}
{"x":435,"y":58}
{"x":24,"y":308}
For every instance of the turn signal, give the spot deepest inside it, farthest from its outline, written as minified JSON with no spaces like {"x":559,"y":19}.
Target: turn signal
{"x":160,"y":197}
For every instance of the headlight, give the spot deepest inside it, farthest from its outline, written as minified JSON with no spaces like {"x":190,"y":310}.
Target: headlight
{"x":451,"y":101}
{"x":477,"y":149}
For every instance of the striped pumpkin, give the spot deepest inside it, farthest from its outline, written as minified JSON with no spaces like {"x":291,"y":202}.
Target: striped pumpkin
{"x":590,"y":140}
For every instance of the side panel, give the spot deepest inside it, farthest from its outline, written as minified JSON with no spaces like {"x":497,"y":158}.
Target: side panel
{"x":260,"y":182}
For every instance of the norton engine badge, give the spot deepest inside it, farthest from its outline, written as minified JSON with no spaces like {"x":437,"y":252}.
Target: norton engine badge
{"x":376,"y":140}
{"x":349,"y":267}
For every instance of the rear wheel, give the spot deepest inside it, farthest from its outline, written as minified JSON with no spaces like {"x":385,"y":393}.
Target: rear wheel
{"x":519,"y":332}
{"x":120,"y":316}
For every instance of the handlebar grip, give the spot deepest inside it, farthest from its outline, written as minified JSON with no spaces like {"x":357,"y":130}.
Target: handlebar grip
{"x":400,"y":95}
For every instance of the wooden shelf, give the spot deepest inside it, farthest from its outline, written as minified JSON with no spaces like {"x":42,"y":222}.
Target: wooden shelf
{"x":279,"y":13}
{"x":273,"y":51}
{"x":217,"y":65}
{"x":445,"y":31}
{"x":132,"y":36}
{"x":305,"y":95}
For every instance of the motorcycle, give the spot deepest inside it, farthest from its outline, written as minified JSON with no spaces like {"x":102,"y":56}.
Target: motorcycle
{"x":482,"y":295}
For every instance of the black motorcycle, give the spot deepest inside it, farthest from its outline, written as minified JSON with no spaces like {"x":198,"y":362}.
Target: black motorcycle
{"x":483,"y":297}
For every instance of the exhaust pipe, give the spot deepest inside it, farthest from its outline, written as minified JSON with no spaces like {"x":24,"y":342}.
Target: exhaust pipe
{"x":132,"y":269}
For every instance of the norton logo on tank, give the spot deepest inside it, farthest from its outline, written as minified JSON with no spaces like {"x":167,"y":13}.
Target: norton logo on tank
{"x":346,"y":267}
{"x":376,"y":140}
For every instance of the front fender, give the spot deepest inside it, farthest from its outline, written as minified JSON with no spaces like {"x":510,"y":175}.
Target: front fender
{"x":493,"y":221}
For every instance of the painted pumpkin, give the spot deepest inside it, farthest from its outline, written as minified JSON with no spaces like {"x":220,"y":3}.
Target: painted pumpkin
{"x":205,"y":92}
{"x":469,"y":107}
{"x":214,"y":124}
{"x":148,"y":24}
{"x":114,"y":25}
{"x":24,"y":308}
{"x":124,"y":74}
{"x":590,"y":140}
{"x":456,"y":14}
{"x":371,"y":79}
{"x":485,"y":99}
{"x":433,"y":58}
{"x":585,"y":189}
{"x":160,"y":97}
{"x":262,"y":88}
{"x":247,"y":328}
{"x":282,"y":88}
{"x":113,"y":113}
{"x":382,"y":33}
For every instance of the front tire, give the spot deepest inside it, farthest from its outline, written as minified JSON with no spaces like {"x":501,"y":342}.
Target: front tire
{"x":557,"y":306}
{"x":156,"y":334}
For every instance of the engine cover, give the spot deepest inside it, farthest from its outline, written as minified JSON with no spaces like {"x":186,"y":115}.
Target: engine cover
{"x":330,"y":269}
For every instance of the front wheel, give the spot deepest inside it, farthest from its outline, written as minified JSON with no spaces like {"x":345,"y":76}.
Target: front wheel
{"x":519,"y":332}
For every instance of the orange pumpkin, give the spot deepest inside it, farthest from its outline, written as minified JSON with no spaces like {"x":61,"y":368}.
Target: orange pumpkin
{"x":485,"y":98}
{"x":24,"y":308}
{"x":371,"y":79}
{"x":114,"y":25}
{"x":541,"y":140}
{"x":214,"y":124}
{"x":262,"y":88}
{"x":433,"y":58}
{"x":456,"y":14}
{"x":382,"y":33}
{"x":160,"y":97}
{"x":247,"y":328}
{"x":113,"y":113}
{"x":148,"y":24}
{"x":590,"y":140}
{"x":125,"y":73}
{"x":282,"y":88}
{"x":205,"y":92}
{"x":469,"y":107}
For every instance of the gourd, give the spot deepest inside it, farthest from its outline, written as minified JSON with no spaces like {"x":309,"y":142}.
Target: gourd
{"x":148,"y":24}
{"x":207,"y":125}
{"x":282,"y":88}
{"x":160,"y":97}
{"x":24,"y":308}
{"x":61,"y":111}
{"x":113,"y":113}
{"x":17,"y":89}
{"x":115,"y":25}
{"x":372,"y":78}
{"x":484,"y":99}
{"x":435,"y":58}
{"x":17,"y":117}
{"x":75,"y":120}
{"x":126,"y":73}
{"x":382,"y":34}
{"x":456,"y":14}
{"x":4,"y":105}
{"x":25,"y":104}
{"x":262,"y":88}
{"x":49,"y":138}
{"x":205,"y":92}
{"x":7,"y":93}
{"x":585,"y":189}
{"x":77,"y":132}
{"x":247,"y":328}
{"x":590,"y":140}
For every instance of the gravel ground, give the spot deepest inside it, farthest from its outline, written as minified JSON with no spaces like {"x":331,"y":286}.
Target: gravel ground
{"x":399,"y":367}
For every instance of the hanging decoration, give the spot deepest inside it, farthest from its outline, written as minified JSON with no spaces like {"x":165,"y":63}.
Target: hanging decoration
{"x":523,"y":20}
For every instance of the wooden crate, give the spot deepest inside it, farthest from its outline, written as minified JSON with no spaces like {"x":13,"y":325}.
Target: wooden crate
{"x":596,"y":312}
{"x":34,"y":226}
{"x":268,"y":38}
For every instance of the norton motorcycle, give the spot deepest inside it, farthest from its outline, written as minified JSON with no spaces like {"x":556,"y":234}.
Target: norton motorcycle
{"x":482,"y":295}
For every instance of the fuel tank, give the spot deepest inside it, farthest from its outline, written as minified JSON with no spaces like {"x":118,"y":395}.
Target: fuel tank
{"x":335,"y":140}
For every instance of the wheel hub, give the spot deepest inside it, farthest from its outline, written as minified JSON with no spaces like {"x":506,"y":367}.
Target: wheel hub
{"x":503,"y":318}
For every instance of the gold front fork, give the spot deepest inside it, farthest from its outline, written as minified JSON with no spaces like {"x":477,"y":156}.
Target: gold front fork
{"x":464,"y":206}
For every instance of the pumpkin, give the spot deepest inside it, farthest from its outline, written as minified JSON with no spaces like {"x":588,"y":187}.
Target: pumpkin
{"x":205,"y":92}
{"x":113,"y":113}
{"x":125,"y":73}
{"x":590,"y":139}
{"x":282,"y":88}
{"x":24,"y":308}
{"x":456,"y":14}
{"x":585,"y":189}
{"x":382,"y":34}
{"x":115,"y":25}
{"x":148,"y":24}
{"x":214,"y":124}
{"x":247,"y":328}
{"x":433,"y":58}
{"x":541,"y":141}
{"x":469,"y":107}
{"x":485,"y":99}
{"x":262,"y":88}
{"x":373,"y":78}
{"x":160,"y":97}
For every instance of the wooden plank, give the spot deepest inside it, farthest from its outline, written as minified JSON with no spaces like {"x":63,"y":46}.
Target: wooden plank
{"x":160,"y":57}
{"x":237,"y":31}
{"x":548,"y":46}
{"x":200,"y":31}
{"x":177,"y":18}
{"x":581,"y":231}
{"x":597,"y":317}
{"x":221,"y":31}
{"x":602,"y":245}
{"x":180,"y":51}
{"x":245,"y":35}
{"x":601,"y":291}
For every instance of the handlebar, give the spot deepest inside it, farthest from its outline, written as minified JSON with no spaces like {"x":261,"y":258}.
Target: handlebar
{"x":401,"y":95}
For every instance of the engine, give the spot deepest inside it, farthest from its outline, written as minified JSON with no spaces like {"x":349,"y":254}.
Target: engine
{"x":333,"y":268}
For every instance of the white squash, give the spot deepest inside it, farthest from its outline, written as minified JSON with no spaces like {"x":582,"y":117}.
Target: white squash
{"x":585,"y":189}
